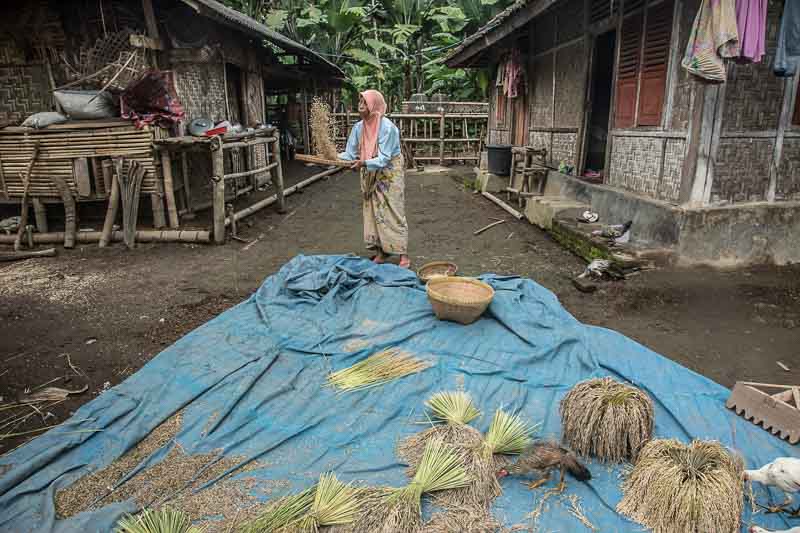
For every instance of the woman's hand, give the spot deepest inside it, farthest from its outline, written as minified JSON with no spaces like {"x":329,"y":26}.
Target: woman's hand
{"x":357,"y":164}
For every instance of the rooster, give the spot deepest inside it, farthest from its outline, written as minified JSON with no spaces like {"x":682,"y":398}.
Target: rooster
{"x":783,"y":473}
{"x":540,"y":458}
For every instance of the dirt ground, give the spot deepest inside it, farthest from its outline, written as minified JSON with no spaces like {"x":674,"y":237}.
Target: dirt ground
{"x":111,"y":310}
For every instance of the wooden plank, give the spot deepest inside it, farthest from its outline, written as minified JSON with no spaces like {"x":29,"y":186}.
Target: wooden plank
{"x":704,"y":164}
{"x":218,"y":170}
{"x":169,"y":190}
{"x":276,"y":154}
{"x":789,"y":95}
{"x":692,"y":144}
{"x":83,"y":180}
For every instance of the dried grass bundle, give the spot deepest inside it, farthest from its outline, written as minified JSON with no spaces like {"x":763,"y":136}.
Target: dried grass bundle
{"x":400,"y":510}
{"x":282,"y":513}
{"x":323,"y":130}
{"x":606,"y":419}
{"x":164,"y":520}
{"x":376,"y":370}
{"x":679,"y":488}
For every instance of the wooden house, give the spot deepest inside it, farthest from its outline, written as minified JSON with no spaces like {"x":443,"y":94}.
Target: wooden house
{"x":709,"y":170}
{"x":222,"y":65}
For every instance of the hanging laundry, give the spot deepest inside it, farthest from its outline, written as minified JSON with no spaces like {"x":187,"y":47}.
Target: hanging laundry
{"x":714,"y":38}
{"x":751,"y":19}
{"x":513,"y":75}
{"x":787,"y":55}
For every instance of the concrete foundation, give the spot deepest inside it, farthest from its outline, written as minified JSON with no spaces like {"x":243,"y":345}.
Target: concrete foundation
{"x":730,"y":236}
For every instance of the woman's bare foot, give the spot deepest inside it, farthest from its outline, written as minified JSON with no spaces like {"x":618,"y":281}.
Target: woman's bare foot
{"x":405,"y":262}
{"x":379,"y":258}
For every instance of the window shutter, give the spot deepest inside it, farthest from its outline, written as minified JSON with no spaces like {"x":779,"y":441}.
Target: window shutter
{"x":603,"y":9}
{"x":628,"y":72}
{"x":655,"y":61}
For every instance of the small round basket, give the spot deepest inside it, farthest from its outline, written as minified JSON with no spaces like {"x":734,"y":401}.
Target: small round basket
{"x":461,"y":300}
{"x":437,"y":269}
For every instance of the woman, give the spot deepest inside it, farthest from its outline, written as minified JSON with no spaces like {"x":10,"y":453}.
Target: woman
{"x":374,"y":145}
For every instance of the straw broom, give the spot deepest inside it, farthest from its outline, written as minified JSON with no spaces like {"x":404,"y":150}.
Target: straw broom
{"x":376,"y":370}
{"x":164,"y":520}
{"x":400,"y":510}
{"x":606,"y":419}
{"x":679,"y":488}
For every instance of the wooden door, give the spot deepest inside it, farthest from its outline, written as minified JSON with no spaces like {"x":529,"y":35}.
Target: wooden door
{"x":519,"y":120}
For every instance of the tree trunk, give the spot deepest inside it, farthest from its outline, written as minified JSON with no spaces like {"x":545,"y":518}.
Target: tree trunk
{"x":420,"y":84}
{"x":406,"y":80}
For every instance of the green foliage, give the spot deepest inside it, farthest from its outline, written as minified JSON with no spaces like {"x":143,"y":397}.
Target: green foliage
{"x":396,"y":46}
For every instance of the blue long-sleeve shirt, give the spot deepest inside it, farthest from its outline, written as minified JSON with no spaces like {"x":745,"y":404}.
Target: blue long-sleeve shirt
{"x":388,"y":145}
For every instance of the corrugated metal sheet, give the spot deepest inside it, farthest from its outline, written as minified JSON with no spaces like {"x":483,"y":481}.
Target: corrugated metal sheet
{"x":239,"y":21}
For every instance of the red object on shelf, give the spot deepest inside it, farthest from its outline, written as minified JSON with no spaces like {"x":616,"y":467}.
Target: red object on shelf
{"x":216,"y":131}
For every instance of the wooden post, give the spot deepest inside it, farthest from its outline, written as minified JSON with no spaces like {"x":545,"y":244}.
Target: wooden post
{"x":70,"y":211}
{"x":306,"y":125}
{"x":169,"y":188}
{"x":276,"y":154}
{"x":187,"y":191}
{"x":441,"y":139}
{"x":40,"y":213}
{"x":111,"y":214}
{"x":108,"y":174}
{"x":218,"y":177}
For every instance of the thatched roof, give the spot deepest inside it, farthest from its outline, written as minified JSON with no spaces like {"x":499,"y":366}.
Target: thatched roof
{"x":230,"y":17}
{"x":471,"y":52}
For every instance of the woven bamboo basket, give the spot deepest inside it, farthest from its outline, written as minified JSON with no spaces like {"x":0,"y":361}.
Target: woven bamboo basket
{"x":437,"y":269}
{"x":461,"y":300}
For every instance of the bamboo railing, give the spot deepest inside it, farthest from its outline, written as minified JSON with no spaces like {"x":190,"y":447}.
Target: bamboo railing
{"x":433,"y":137}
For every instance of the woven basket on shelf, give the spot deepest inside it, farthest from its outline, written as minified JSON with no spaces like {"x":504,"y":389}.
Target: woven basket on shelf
{"x":437,"y":269}
{"x":461,"y":300}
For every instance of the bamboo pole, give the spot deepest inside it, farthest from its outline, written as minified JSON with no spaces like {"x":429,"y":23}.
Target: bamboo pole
{"x":111,"y":214}
{"x":17,"y":256}
{"x":442,"y":125}
{"x":91,"y":237}
{"x":169,"y":189}
{"x":218,"y":171}
{"x":258,"y":206}
{"x":503,"y":205}
{"x":276,"y":154}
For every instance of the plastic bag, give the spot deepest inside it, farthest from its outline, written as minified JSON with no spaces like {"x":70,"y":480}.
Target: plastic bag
{"x":80,"y":106}
{"x":42,"y":120}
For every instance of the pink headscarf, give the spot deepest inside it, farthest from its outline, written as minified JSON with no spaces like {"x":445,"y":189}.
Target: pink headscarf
{"x":376,"y":106}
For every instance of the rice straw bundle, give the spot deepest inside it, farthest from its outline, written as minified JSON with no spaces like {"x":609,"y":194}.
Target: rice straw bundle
{"x":606,"y":419}
{"x":282,"y":513}
{"x":400,"y":510}
{"x":451,"y":412}
{"x":482,"y":455}
{"x":323,"y":130}
{"x":679,"y":488}
{"x":376,"y":370}
{"x":164,"y":520}
{"x":334,"y":504}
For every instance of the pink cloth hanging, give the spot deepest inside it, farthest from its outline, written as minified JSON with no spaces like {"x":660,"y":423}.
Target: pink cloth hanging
{"x":513,"y":75}
{"x":751,"y":19}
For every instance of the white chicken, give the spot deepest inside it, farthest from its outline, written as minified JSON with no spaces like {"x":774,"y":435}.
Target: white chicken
{"x":756,"y":529}
{"x":782,"y":473}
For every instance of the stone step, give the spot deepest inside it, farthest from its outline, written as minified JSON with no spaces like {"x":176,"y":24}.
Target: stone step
{"x":543,"y":210}
{"x":577,"y":237}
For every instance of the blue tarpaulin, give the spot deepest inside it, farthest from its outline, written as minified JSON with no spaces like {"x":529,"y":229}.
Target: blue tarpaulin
{"x":261,"y":368}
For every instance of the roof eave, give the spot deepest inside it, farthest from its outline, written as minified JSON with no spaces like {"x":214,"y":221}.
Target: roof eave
{"x":467,"y":57}
{"x":276,"y":38}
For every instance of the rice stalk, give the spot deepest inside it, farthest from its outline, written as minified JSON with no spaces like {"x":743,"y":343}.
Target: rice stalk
{"x":377,"y":369}
{"x":400,"y":510}
{"x":606,"y":419}
{"x":679,"y":488}
{"x":576,"y":509}
{"x":323,"y":130}
{"x":334,"y":504}
{"x":281,"y":513}
{"x":453,"y":407}
{"x":163,"y":520}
